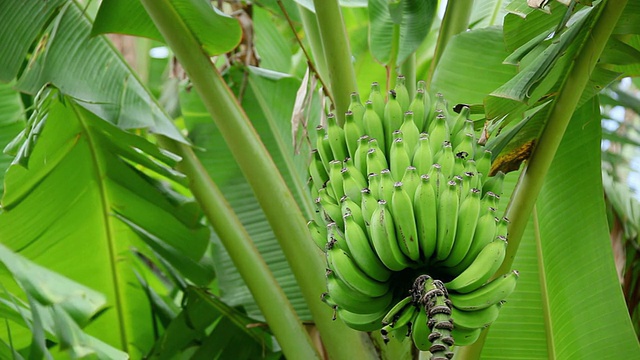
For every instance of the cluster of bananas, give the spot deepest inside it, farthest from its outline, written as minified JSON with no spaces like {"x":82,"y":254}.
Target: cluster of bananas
{"x":407,"y":219}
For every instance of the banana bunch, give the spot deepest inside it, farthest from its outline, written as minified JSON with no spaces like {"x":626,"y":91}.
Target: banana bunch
{"x":406,"y":214}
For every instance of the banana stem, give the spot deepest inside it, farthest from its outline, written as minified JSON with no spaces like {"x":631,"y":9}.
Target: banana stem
{"x":282,"y":319}
{"x":258,"y":167}
{"x":392,"y":71}
{"x":408,"y":69}
{"x":456,"y":20}
{"x":337,"y":54}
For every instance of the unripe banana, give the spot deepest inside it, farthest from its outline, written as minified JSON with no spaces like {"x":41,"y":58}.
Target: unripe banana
{"x":442,"y":107}
{"x":479,"y":319}
{"x":347,"y":270}
{"x":352,"y":132}
{"x":481,"y":269}
{"x":377,"y":99}
{"x":374,"y":185}
{"x":352,"y":183}
{"x":490,"y":200}
{"x":492,"y":293}
{"x":318,"y":234}
{"x":336,"y":138}
{"x":400,"y":159}
{"x":438,"y":133}
{"x":362,"y":322}
{"x":468,"y":181}
{"x":425,"y":207}
{"x":420,"y":331}
{"x":467,"y":220}
{"x":335,"y":238}
{"x":446,"y":159}
{"x":323,"y":146}
{"x":404,"y":218}
{"x":422,"y":158}
{"x":465,"y":337}
{"x":368,"y":205}
{"x":360,"y":158}
{"x":502,"y":228}
{"x":460,"y":120}
{"x":494,"y":184}
{"x":376,"y":160}
{"x":383,"y":238}
{"x":392,"y":316}
{"x":329,"y":210}
{"x":335,"y":179}
{"x":362,"y":253}
{"x":402,"y":326}
{"x":392,"y":119}
{"x":410,"y":181}
{"x":447,"y":220}
{"x":483,"y":163}
{"x":346,"y":298}
{"x":410,"y":132}
{"x":465,"y":145}
{"x":356,"y":107}
{"x":348,"y":206}
{"x":317,"y":171}
{"x":402,"y":93}
{"x":417,"y":107}
{"x":484,"y":234}
{"x":438,"y":182}
{"x":372,"y":123}
{"x":386,"y":186}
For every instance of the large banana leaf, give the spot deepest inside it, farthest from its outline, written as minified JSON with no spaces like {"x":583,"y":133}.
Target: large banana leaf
{"x":11,"y":123}
{"x":80,"y":206}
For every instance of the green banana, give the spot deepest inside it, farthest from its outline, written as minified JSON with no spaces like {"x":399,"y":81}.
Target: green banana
{"x":465,"y":337}
{"x":410,"y":132}
{"x":323,"y":146}
{"x":479,"y":319}
{"x":392,"y":119}
{"x":483,"y":163}
{"x":376,"y":160}
{"x":446,"y":159}
{"x":404,"y":219}
{"x":368,"y":205}
{"x":328,"y":208}
{"x":442,"y":107}
{"x":356,"y":107}
{"x":317,"y":171}
{"x":481,"y":269}
{"x":352,"y":132}
{"x":384,"y":241}
{"x":392,"y":316}
{"x":484,"y":234}
{"x":502,"y":228}
{"x":465,"y":145}
{"x":459,"y":122}
{"x":490,"y":200}
{"x":410,"y":181}
{"x":335,"y":179}
{"x":348,"y":206}
{"x":425,"y":208}
{"x":372,"y":123}
{"x":346,"y":298}
{"x":418,"y":110}
{"x":492,"y":293}
{"x":362,"y":322}
{"x":402,"y":93}
{"x":420,"y":331}
{"x":374,"y":185}
{"x":400,"y":159}
{"x":318,"y":234}
{"x":335,"y":238}
{"x":438,"y":133}
{"x":468,"y":182}
{"x":460,"y":159}
{"x":386,"y":186}
{"x":336,"y":138}
{"x":467,"y":220}
{"x":422,"y":157}
{"x":447,"y":220}
{"x":352,"y":183}
{"x":360,"y":158}
{"x":346,"y":269}
{"x":438,"y":182}
{"x":402,"y":326}
{"x":377,"y":99}
{"x":494,"y":184}
{"x":361,"y":252}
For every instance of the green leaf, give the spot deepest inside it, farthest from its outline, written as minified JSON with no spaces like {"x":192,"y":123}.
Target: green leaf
{"x":89,"y":69}
{"x":417,"y":17}
{"x":204,"y":20}
{"x":273,"y":49}
{"x":60,"y":213}
{"x":12,"y":121}
{"x":487,"y":13}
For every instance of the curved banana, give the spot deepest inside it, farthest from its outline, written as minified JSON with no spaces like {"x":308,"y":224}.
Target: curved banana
{"x":392,"y":119}
{"x":410,"y":181}
{"x":348,"y":206}
{"x":481,"y":269}
{"x":402,"y":93}
{"x":417,"y":108}
{"x":465,"y":337}
{"x":372,"y":123}
{"x":329,"y":210}
{"x":404,"y":218}
{"x":386,"y":186}
{"x":494,"y":184}
{"x":367,"y":206}
{"x":446,"y":159}
{"x":323,"y":146}
{"x":400,"y":159}
{"x":353,"y":301}
{"x":422,"y":157}
{"x":356,"y":107}
{"x":441,"y":107}
{"x":403,"y":326}
{"x":483,"y":163}
{"x":437,"y":179}
{"x":377,"y":99}
{"x":492,"y":293}
{"x":425,"y":208}
{"x":352,"y":132}
{"x":317,"y":171}
{"x":484,"y":234}
{"x":362,"y":322}
{"x":336,"y":138}
{"x":383,"y":238}
{"x":502,"y":229}
{"x":465,"y":144}
{"x":460,"y":159}
{"x":362,"y":253}
{"x":467,"y":221}
{"x":438,"y":133}
{"x":360,"y":158}
{"x":460,"y":120}
{"x":392,"y":316}
{"x":335,"y":179}
{"x":376,"y":161}
{"x":374,"y":185}
{"x":352,"y":183}
{"x":318,"y":234}
{"x":335,"y":238}
{"x":420,"y":331}
{"x":479,"y":319}
{"x":346,"y":269}
{"x":410,"y":133}
{"x":447,"y":220}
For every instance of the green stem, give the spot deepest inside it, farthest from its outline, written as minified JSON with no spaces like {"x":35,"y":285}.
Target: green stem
{"x":456,"y":20}
{"x":258,"y":167}
{"x":408,"y":69}
{"x":392,"y":69}
{"x":282,"y":319}
{"x":310,"y":25}
{"x":337,"y":54}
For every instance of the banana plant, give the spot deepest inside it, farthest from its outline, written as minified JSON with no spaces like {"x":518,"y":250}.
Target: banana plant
{"x":172,"y":218}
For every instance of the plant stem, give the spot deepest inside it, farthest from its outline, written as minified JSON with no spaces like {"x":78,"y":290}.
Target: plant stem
{"x":408,"y":69}
{"x":456,"y":20}
{"x":337,"y":54}
{"x":258,"y":167}
{"x":310,"y":25}
{"x":282,"y":319}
